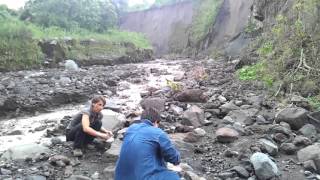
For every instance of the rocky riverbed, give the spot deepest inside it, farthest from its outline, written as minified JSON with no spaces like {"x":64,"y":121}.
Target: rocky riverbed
{"x":225,"y":129}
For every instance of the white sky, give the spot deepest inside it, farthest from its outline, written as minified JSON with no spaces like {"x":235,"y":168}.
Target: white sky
{"x":16,"y":4}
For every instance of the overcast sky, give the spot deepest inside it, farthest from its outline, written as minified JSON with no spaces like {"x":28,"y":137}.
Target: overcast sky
{"x":16,"y":4}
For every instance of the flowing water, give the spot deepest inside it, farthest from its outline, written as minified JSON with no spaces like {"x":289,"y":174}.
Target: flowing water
{"x":25,"y":130}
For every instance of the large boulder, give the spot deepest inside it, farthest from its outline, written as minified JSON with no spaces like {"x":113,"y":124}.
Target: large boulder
{"x":309,"y":153}
{"x":264,"y":167}
{"x":156,"y":103}
{"x":194,"y":116}
{"x":24,"y":151}
{"x":296,"y":117}
{"x":112,"y":120}
{"x":191,"y":95}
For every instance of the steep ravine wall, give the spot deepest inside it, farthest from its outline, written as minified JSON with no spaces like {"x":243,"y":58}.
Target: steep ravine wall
{"x":158,"y":24}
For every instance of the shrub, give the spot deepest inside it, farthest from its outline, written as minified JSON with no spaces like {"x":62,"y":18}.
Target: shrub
{"x":18,"y":50}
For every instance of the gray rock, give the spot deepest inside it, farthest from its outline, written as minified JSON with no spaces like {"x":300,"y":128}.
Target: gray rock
{"x":56,"y":140}
{"x":309,"y":152}
{"x":15,"y":132}
{"x":241,"y":171}
{"x":302,"y":141}
{"x":24,"y":151}
{"x":308,"y":130}
{"x":264,"y":167}
{"x":269,"y":147}
{"x":243,"y":116}
{"x":176,"y":109}
{"x":309,"y":166}
{"x":70,"y":65}
{"x":296,"y":117}
{"x":113,"y":153}
{"x":191,"y":95}
{"x":194,"y":116}
{"x":189,"y":175}
{"x":35,"y":177}
{"x":156,"y":103}
{"x":78,"y":177}
{"x":112,"y":120}
{"x":288,"y":148}
{"x":108,"y":173}
{"x":226,"y":108}
{"x":4,"y":171}
{"x":226,"y":135}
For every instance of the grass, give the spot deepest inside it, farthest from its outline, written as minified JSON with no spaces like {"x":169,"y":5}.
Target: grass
{"x":19,"y":43}
{"x":255,"y":72}
{"x":314,"y":102}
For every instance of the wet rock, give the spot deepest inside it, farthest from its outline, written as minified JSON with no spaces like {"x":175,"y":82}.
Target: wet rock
{"x":112,"y":106}
{"x":288,"y":148}
{"x":194,"y":116}
{"x":226,"y":135}
{"x":241,"y":171}
{"x":309,"y":152}
{"x":59,"y":160}
{"x":112,"y":120}
{"x":222,"y":99}
{"x":296,"y":117}
{"x":230,"y":106}
{"x":176,"y":109}
{"x":308,"y":130}
{"x":309,"y":166}
{"x":268,"y":147}
{"x":95,"y":175}
{"x":35,"y":177}
{"x":178,"y":77}
{"x":192,"y":137}
{"x":191,"y":95}
{"x":156,"y":103}
{"x":40,"y":128}
{"x":113,"y":153}
{"x":56,"y":141}
{"x":4,"y":171}
{"x":228,"y":153}
{"x":243,"y":116}
{"x":108,"y":173}
{"x":15,"y":132}
{"x":264,"y":167}
{"x":301,"y":141}
{"x":78,"y":177}
{"x":24,"y":151}
{"x":189,"y":175}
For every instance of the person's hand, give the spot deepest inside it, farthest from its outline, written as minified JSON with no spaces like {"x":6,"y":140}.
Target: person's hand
{"x":104,"y":136}
{"x":109,"y":133}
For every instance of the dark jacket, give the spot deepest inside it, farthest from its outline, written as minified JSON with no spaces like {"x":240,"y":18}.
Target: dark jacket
{"x":144,"y":153}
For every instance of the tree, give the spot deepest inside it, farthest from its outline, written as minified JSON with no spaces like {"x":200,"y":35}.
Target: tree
{"x":95,"y":15}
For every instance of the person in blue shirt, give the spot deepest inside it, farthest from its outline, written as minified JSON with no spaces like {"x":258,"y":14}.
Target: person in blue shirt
{"x":145,"y":151}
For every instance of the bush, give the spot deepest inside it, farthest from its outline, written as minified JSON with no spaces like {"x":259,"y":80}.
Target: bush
{"x":18,"y":50}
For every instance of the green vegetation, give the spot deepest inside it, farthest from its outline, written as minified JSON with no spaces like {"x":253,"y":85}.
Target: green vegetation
{"x":289,"y":50}
{"x":203,"y":19}
{"x":255,"y":72}
{"x":19,"y":47}
{"x":94,"y":15}
{"x":18,"y":50}
{"x":314,"y":102}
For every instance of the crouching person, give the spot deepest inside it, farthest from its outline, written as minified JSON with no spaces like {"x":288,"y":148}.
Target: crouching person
{"x":145,"y":151}
{"x":87,"y":125}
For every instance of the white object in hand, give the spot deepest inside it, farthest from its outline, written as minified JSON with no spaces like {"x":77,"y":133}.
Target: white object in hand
{"x":110,"y":140}
{"x":174,"y":168}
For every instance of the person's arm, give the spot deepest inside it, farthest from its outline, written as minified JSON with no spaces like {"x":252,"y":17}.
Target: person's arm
{"x":87,"y":129}
{"x":168,"y":151}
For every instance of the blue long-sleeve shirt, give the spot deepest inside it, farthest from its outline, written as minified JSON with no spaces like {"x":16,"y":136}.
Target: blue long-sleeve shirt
{"x":143,"y":154}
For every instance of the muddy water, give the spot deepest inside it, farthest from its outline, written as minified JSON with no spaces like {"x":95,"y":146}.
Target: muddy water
{"x":25,"y":130}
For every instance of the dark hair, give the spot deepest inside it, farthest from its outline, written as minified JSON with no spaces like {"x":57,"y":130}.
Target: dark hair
{"x":98,"y":98}
{"x":151,"y":114}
